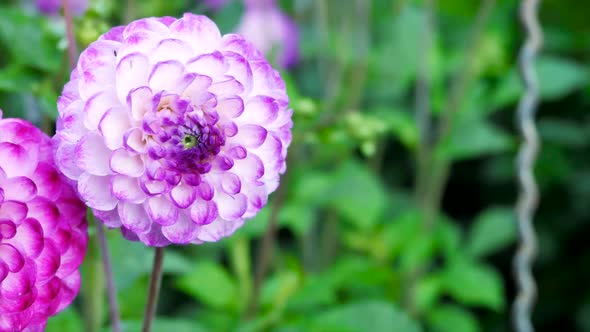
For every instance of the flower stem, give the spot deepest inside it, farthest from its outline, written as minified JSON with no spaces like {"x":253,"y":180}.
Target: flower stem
{"x":108,"y":271}
{"x":265,"y":251}
{"x":156,"y":279}
{"x":72,"y":48}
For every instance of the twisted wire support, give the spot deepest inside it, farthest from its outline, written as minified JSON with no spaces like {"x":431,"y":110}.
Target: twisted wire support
{"x":529,"y":194}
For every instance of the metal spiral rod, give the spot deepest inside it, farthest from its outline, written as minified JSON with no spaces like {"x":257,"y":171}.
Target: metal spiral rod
{"x":529,"y":193}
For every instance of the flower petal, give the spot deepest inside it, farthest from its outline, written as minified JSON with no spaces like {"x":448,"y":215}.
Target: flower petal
{"x":202,"y":34}
{"x":127,"y":189}
{"x":231,"y":207}
{"x":161,"y":210}
{"x":92,"y":155}
{"x":93,"y":191}
{"x":132,"y":72}
{"x":127,"y":163}
{"x":112,"y":126}
{"x":134,"y":217}
{"x":183,"y":195}
{"x":19,"y":188}
{"x":203,"y":212}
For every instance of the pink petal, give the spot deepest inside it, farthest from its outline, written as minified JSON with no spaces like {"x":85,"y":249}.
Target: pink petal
{"x":112,"y":126}
{"x":140,"y":102}
{"x":96,"y":107}
{"x":12,"y":257}
{"x":249,"y":168}
{"x":211,"y":64}
{"x":127,"y":189}
{"x":260,"y":110}
{"x":169,"y":76}
{"x":65,"y":159}
{"x":203,"y":212}
{"x":29,"y":238}
{"x":171,"y":48}
{"x":14,"y":211}
{"x":16,"y":160}
{"x":153,"y":187}
{"x":231,"y":207}
{"x":240,"y":70}
{"x":19,"y":188}
{"x":182,"y":231}
{"x":228,"y":86}
{"x":45,"y":211}
{"x":92,"y":155}
{"x":94,"y":191}
{"x":161,"y":210}
{"x":132,"y":72}
{"x":231,"y":107}
{"x":197,"y":30}
{"x":48,"y":181}
{"x":205,"y":191}
{"x":48,"y":261}
{"x":110,"y":219}
{"x":230,"y":183}
{"x":134,"y":217}
{"x":127,"y":163}
{"x":197,"y":90}
{"x":183,"y":195}
{"x":250,"y":135}
{"x":134,"y":140}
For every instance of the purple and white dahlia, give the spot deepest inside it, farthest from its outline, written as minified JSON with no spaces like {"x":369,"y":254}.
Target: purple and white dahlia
{"x":173,"y":132}
{"x":42,"y":230}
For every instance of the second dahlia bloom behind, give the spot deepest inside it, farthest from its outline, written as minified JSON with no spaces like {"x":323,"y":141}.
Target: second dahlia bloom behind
{"x":173,"y":133}
{"x":42,"y":230}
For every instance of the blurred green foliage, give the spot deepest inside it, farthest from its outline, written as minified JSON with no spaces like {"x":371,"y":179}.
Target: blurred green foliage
{"x":354,"y":251}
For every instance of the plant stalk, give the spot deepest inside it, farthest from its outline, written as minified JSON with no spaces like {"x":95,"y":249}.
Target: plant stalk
{"x":155,"y":281}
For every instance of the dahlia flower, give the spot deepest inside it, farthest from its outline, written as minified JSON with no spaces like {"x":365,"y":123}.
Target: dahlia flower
{"x":42,"y":230}
{"x":52,"y":7}
{"x":270,"y":30}
{"x":173,"y":132}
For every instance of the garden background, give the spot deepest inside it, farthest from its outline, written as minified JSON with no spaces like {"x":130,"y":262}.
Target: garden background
{"x":360,"y":237}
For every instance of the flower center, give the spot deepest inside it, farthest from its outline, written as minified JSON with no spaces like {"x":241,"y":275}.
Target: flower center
{"x":185,"y":138}
{"x":189,"y":141}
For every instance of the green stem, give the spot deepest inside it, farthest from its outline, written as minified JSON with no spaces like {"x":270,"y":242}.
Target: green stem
{"x":94,"y":283}
{"x":155,"y":281}
{"x":240,"y":261}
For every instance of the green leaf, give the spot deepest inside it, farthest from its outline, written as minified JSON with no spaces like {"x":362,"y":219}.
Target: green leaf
{"x":28,"y":41}
{"x":401,"y":124}
{"x":474,"y":284}
{"x":563,"y":132}
{"x":473,"y":137}
{"x":210,"y":283}
{"x":557,"y":78}
{"x":370,"y":316}
{"x":137,"y":260}
{"x":427,"y":293}
{"x":15,"y":78}
{"x":357,"y":194}
{"x":492,"y":230}
{"x":449,"y":318}
{"x":66,"y":321}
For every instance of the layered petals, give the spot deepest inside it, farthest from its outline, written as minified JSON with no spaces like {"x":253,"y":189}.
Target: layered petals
{"x":43,"y":232}
{"x":173,"y":132}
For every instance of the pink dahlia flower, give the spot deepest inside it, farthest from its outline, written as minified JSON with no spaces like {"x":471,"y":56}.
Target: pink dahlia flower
{"x":173,"y":133}
{"x":42,"y":230}
{"x":271,"y":31}
{"x":52,"y":7}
